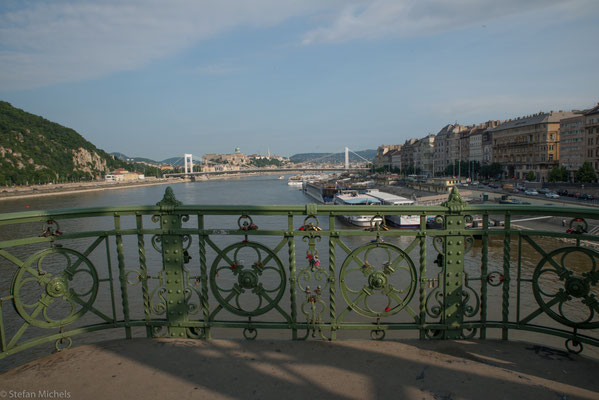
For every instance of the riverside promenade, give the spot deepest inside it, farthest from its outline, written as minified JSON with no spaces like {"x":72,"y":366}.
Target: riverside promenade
{"x":230,"y":369}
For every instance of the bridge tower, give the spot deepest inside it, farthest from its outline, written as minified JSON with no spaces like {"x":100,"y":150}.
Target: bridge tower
{"x":188,"y":163}
{"x":346,"y":158}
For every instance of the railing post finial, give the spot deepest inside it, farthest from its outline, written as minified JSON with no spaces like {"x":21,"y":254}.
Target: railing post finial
{"x":169,"y":201}
{"x":455,"y":201}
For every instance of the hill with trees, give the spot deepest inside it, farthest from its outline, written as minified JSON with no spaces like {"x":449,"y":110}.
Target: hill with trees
{"x":34,"y":150}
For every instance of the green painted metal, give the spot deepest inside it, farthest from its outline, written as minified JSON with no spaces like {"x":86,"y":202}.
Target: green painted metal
{"x":302,"y":280}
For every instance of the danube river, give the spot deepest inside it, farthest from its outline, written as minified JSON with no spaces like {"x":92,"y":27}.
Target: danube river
{"x":268,"y":190}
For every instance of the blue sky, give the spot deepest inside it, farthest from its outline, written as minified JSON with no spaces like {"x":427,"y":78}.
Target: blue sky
{"x":158,"y":79}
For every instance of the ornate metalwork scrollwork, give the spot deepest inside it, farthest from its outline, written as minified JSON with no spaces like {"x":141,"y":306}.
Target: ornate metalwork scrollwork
{"x":382,"y":280}
{"x":313,"y":306}
{"x":558,"y":288}
{"x":243,"y":277}
{"x":60,"y":292}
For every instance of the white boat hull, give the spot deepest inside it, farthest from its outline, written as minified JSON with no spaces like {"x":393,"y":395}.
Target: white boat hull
{"x":404,"y":221}
{"x":363,"y":221}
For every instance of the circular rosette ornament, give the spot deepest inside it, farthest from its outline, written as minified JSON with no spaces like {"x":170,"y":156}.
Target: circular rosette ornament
{"x":565,"y":286}
{"x":54,"y":287}
{"x":378,"y":279}
{"x":247,"y":279}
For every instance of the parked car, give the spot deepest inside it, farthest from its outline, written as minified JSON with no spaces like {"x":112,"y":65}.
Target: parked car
{"x":562,"y":192}
{"x":585,"y":196}
{"x":544,"y":191}
{"x":552,"y":195}
{"x":521,"y":188}
{"x":531,"y":192}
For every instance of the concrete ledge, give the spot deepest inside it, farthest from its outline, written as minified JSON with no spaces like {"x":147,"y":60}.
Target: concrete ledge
{"x":228,"y":369}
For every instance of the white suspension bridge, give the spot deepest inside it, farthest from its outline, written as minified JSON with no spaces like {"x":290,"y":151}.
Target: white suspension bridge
{"x":188,"y":167}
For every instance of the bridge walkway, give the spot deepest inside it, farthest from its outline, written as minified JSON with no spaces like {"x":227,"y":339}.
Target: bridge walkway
{"x":230,"y":369}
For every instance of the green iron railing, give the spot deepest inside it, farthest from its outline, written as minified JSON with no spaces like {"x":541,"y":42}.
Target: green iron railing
{"x":172,"y":270}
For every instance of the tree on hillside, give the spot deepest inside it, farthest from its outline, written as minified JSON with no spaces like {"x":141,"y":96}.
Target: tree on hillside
{"x":585,"y":174}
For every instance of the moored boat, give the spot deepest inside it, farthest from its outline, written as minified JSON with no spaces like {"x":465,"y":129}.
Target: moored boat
{"x":296,"y":181}
{"x":322,"y":191}
{"x":353,"y":198}
{"x":299,"y":180}
{"x":402,"y":221}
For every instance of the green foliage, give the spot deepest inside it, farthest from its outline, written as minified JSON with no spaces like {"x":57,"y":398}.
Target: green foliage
{"x":463,"y":169}
{"x":531,"y":176}
{"x":493,"y":171}
{"x":558,"y":174}
{"x":586,"y":173}
{"x":265,"y":162}
{"x":34,"y":150}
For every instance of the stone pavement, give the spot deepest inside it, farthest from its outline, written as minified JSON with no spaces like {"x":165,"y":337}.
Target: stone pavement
{"x":229,"y":369}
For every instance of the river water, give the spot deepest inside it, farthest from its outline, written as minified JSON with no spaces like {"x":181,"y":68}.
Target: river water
{"x":269,"y":190}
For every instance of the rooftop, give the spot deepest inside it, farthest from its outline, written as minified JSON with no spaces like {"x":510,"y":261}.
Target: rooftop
{"x":534,"y":119}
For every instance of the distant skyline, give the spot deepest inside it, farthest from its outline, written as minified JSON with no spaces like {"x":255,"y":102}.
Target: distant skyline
{"x":159,"y":79}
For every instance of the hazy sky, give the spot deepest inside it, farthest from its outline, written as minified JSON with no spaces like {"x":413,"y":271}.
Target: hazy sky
{"x":161,"y":78}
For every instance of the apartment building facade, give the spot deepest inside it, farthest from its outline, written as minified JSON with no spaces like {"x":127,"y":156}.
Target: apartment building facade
{"x":591,"y":135}
{"x":529,"y":143}
{"x":572,"y":149}
{"x":423,"y":162}
{"x":446,"y":147}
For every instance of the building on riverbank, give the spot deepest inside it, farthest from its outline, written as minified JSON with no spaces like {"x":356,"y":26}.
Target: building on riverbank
{"x":122,"y":175}
{"x":528,"y":144}
{"x":572,"y":149}
{"x":446,"y":147}
{"x":591,"y":135}
{"x":236,"y":158}
{"x":383,"y":155}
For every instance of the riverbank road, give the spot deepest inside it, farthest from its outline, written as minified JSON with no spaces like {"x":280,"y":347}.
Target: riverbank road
{"x":495,"y":194}
{"x":228,"y":369}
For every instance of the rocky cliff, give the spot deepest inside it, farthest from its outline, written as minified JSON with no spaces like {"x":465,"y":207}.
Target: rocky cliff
{"x":35,"y":150}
